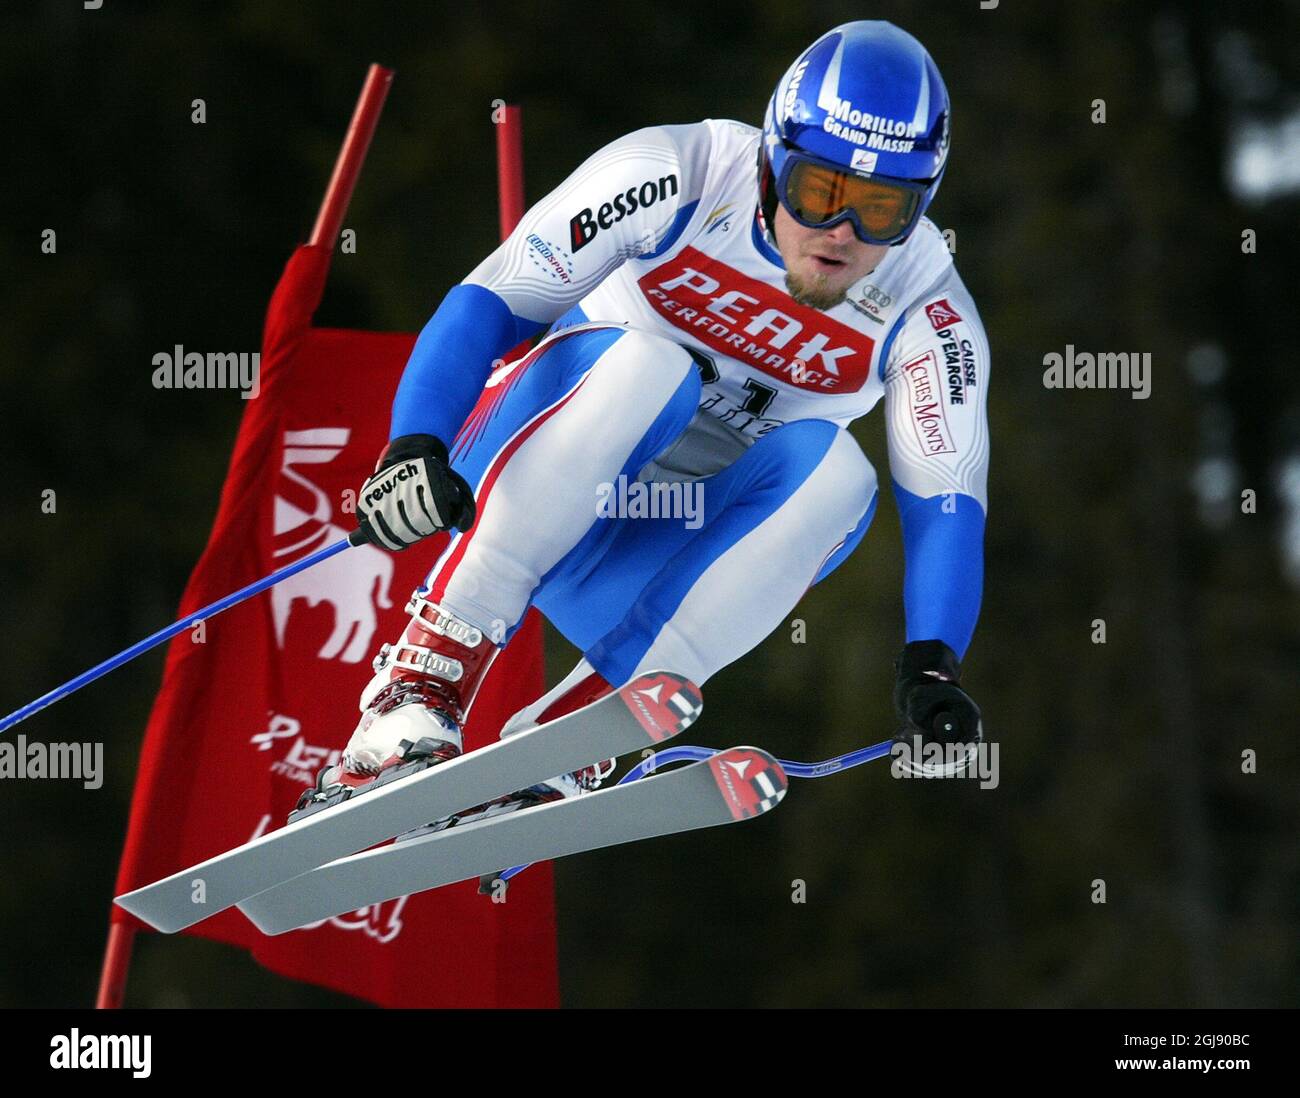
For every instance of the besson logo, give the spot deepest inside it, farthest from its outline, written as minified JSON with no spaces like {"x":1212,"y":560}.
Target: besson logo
{"x":585,"y":225}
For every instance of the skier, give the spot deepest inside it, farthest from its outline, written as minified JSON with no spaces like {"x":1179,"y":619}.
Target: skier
{"x":720,"y":302}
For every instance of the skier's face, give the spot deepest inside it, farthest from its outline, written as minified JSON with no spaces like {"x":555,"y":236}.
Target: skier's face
{"x":821,"y":264}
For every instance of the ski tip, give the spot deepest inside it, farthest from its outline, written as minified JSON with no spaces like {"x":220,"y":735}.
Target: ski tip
{"x":663,"y":702}
{"x":266,"y":922}
{"x":750,"y":780}
{"x":134,"y":903}
{"x":127,"y":903}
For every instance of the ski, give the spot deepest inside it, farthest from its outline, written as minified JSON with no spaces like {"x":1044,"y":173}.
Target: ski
{"x":736,"y":784}
{"x":646,"y":711}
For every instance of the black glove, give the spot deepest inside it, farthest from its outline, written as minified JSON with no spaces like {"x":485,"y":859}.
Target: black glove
{"x":927,"y":698}
{"x":413,"y":493}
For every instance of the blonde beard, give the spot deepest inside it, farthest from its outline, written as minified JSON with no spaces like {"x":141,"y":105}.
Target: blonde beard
{"x":814,"y":294}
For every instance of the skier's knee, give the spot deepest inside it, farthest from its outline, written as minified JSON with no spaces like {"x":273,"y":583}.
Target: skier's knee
{"x":797,"y":439}
{"x":843,"y":465}
{"x":852,"y":472}
{"x":793,"y":441}
{"x":649,"y":358}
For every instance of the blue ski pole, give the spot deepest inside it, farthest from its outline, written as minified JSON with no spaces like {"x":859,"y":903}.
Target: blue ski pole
{"x":155,"y":639}
{"x":650,"y":764}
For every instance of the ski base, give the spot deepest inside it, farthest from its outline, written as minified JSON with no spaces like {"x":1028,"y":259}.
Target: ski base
{"x":737,"y":784}
{"x":646,"y":711}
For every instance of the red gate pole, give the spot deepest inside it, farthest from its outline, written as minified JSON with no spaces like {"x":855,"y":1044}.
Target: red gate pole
{"x":351,"y":156}
{"x":117,"y":953}
{"x":510,"y":168}
{"x":510,"y":186}
{"x":117,"y":959}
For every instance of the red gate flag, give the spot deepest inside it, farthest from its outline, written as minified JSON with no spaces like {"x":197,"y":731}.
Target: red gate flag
{"x":254,"y":703}
{"x":256,"y":700}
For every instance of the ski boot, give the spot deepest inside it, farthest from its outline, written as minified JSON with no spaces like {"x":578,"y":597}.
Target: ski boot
{"x":413,"y":709}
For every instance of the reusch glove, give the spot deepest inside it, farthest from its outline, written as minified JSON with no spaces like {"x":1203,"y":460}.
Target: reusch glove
{"x":413,"y":493}
{"x":927,"y":698}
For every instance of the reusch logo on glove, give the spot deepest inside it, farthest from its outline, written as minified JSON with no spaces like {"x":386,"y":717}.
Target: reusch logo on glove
{"x":379,"y":491}
{"x":584,"y":226}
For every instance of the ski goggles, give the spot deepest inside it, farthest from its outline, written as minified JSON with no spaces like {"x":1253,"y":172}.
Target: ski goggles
{"x":882,"y":210}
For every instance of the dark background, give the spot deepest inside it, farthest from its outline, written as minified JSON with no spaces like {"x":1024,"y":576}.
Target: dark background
{"x":1119,"y":761}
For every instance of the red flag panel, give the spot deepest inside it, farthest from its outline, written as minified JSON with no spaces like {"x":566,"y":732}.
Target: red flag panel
{"x":254,"y":704}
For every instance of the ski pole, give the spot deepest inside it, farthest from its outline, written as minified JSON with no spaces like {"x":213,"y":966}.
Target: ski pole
{"x":155,"y":639}
{"x":651,"y":763}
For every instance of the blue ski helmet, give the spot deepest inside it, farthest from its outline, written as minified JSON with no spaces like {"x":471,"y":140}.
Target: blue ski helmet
{"x":865,"y":101}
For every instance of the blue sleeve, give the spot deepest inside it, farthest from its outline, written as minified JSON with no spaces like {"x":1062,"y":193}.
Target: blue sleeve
{"x":452,"y":359}
{"x":944,"y":566}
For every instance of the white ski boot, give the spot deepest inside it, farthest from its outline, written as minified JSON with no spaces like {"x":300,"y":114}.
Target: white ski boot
{"x":413,"y":708}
